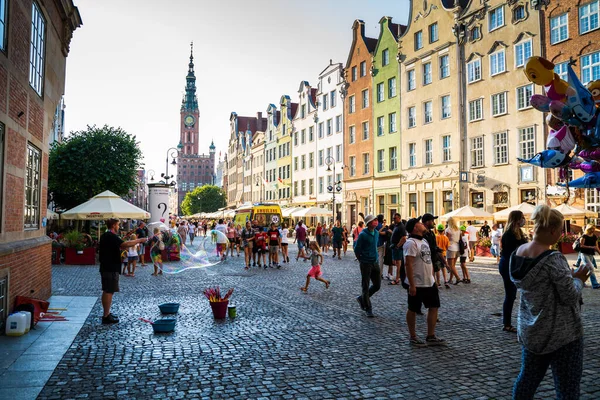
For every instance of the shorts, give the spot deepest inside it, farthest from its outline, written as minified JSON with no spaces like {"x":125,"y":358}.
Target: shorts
{"x":437,"y":266}
{"x":301,"y":244}
{"x":284,"y":245}
{"x":397,"y":253}
{"x":231,"y":240}
{"x":450,"y":254}
{"x":463,"y":259}
{"x":315,"y":272}
{"x":337,"y":244}
{"x":273,"y":249}
{"x":132,"y":258}
{"x":156,"y":258}
{"x":427,"y":296}
{"x":472,"y":244}
{"x":110,"y":281}
{"x":221,"y":247}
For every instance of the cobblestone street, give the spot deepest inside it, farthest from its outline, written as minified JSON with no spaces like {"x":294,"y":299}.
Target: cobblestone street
{"x":288,"y":344}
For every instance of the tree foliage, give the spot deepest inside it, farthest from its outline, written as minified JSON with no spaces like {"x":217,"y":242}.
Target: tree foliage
{"x":89,"y":162}
{"x":207,"y":198}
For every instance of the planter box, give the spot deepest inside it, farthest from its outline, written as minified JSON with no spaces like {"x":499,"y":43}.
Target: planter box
{"x":86,"y":256}
{"x":483,"y":251}
{"x":566,"y":248}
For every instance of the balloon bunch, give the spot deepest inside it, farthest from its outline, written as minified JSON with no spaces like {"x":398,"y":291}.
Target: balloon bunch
{"x":574,"y":121}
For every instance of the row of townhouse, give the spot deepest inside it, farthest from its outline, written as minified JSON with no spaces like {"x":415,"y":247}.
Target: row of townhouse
{"x":426,"y":117}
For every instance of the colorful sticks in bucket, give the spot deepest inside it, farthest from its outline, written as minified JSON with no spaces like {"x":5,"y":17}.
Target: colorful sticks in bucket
{"x":214,"y":294}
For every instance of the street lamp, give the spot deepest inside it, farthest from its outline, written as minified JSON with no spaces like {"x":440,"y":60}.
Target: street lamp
{"x":151,"y":174}
{"x":258,"y":181}
{"x":336,"y":187}
{"x":173,"y":152}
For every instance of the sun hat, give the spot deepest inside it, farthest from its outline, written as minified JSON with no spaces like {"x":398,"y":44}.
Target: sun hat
{"x":369,"y":218}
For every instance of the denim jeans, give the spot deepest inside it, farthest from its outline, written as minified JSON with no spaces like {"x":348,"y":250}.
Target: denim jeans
{"x":369,"y":272}
{"x":510,"y":291}
{"x":567,"y":368}
{"x":588,"y":259}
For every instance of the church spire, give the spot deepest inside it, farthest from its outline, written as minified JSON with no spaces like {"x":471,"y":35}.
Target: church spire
{"x":190,"y":101}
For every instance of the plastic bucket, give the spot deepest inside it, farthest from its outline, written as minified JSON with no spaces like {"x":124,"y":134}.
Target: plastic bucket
{"x":219,"y":309}
{"x":231,"y":311}
{"x":164,"y":325}
{"x":169,"y":308}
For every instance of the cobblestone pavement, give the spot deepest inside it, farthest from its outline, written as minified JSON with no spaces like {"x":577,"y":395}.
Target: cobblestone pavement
{"x":291,"y":345}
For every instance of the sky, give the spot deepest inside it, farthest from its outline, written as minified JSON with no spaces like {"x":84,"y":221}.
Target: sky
{"x":128,"y":62}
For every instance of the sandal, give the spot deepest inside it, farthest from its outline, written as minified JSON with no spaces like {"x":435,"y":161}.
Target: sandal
{"x":446,"y":285}
{"x":303,"y":289}
{"x":393,"y":283}
{"x":509,"y":329}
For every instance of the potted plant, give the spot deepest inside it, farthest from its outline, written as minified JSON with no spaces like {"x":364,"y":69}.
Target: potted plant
{"x":483,"y":246}
{"x":218,"y":303}
{"x":76,"y":252}
{"x":565,"y":242}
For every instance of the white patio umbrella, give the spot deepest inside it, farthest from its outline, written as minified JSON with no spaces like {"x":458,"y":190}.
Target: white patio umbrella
{"x":51,"y":214}
{"x":311,"y":212}
{"x":287,"y":212}
{"x":103,"y":206}
{"x":524,"y":207}
{"x":467,"y":213}
{"x":574,"y":212}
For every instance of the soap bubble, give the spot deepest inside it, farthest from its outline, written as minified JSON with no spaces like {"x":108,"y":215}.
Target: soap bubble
{"x":161,"y":227}
{"x":207,"y":251}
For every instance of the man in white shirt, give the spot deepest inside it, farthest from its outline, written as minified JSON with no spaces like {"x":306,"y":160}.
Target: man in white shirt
{"x":472,"y":232}
{"x":422,"y":288}
{"x":496,"y":237}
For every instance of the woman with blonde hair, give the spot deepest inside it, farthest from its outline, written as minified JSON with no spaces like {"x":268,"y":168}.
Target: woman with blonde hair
{"x":588,"y":245}
{"x":453,"y":234}
{"x":511,"y":240}
{"x":549,"y":324}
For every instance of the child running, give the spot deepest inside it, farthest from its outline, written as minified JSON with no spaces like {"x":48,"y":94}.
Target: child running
{"x":316,"y":259}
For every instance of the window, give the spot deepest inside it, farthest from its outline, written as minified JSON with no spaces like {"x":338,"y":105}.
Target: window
{"x":524,"y":93}
{"x":444,"y":66}
{"x":380,"y":160}
{"x":590,"y":68}
{"x":496,"y":18}
{"x":351,"y":134}
{"x":2,"y":24}
{"x":303,"y":136}
{"x":325,"y":102}
{"x":338,"y":123}
{"x":522,"y":53}
{"x":561,"y":70}
{"x":392,"y":123}
{"x":526,"y":142}
{"x":412,"y":83}
{"x":428,"y":111}
{"x":332,"y":98}
{"x":433,"y":32}
{"x":418,"y":40}
{"x":303,"y":187}
{"x":295,"y":163}
{"x":385,"y":57}
{"x":321,"y":184}
{"x":412,"y":117}
{"x":429,"y":202}
{"x":354,"y":77}
{"x":321,"y":159}
{"x":311,"y":133}
{"x":474,"y":71}
{"x":363,"y":68}
{"x":303,"y":161}
{"x":412,"y":203}
{"x":296,"y":188}
{"x":303,"y":111}
{"x":393,"y":158}
{"x":365,"y":130}
{"x":446,"y":107}
{"x":477,"y":152}
{"x":295,"y":138}
{"x":588,"y":17}
{"x":475,"y":110}
{"x":311,"y":187}
{"x":351,"y":104}
{"x":446,"y":154}
{"x":338,"y":153}
{"x":498,"y":104}
{"x":321,"y":130}
{"x":352,"y":166}
{"x":311,"y":160}
{"x":429,"y":151}
{"x":380,"y":92}
{"x":36,"y":54}
{"x":392,"y":87}
{"x":497,"y":64}
{"x":412,"y":154}
{"x":519,"y":13}
{"x":426,"y":73}
{"x":475,"y":33}
{"x":501,"y":148}
{"x":329,"y":127}
{"x":33,"y":177}
{"x":366,"y":160}
{"x":380,"y":126}
{"x":559,"y":28}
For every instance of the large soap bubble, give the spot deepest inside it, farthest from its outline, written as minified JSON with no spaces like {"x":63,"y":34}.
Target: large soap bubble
{"x":207,"y":251}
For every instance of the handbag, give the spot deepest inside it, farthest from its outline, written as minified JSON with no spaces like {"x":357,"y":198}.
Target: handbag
{"x":577,"y":245}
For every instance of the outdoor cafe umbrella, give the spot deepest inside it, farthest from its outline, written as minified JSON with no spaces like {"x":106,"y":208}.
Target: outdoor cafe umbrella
{"x":467,"y":213}
{"x":103,"y":206}
{"x":311,"y":212}
{"x":524,"y":207}
{"x":573,"y":212}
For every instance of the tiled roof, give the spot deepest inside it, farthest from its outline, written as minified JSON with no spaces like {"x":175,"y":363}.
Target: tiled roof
{"x":313,"y":95}
{"x":397,"y":29}
{"x":371,"y":44}
{"x":294,"y":108}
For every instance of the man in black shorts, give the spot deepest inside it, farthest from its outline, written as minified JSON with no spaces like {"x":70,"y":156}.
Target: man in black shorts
{"x":422,"y":289}
{"x":110,"y":248}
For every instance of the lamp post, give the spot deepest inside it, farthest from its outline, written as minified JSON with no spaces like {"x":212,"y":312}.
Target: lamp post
{"x":335,"y":188}
{"x":174,"y":153}
{"x":257,"y":181}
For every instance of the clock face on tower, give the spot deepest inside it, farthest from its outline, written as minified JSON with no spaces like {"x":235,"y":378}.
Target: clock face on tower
{"x":189,"y":120}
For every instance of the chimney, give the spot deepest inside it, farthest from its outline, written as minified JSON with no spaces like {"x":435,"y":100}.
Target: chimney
{"x":259,"y":122}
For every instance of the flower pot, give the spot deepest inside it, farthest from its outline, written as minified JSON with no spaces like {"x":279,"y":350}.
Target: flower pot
{"x":86,"y":257}
{"x":483,"y":251}
{"x":566,"y":248}
{"x":219,"y":308}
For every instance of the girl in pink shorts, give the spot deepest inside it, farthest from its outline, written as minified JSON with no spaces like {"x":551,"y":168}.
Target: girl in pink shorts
{"x":316,"y":259}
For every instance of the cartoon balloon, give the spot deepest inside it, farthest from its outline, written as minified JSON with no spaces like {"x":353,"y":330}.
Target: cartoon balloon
{"x":588,"y":181}
{"x":541,"y":72}
{"x":561,"y":139}
{"x":548,"y":159}
{"x":579,"y":98}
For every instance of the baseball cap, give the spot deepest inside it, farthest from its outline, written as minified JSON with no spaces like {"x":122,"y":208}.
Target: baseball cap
{"x":428,"y":217}
{"x":410,"y":225}
{"x":463,"y":228}
{"x":440,"y":227}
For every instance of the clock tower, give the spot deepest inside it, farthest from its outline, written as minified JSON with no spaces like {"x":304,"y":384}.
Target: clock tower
{"x":189,"y":133}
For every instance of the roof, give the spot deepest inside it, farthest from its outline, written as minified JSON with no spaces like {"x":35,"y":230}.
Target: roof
{"x":294,"y":109}
{"x":313,"y":95}
{"x":358,"y":30}
{"x":397,"y":29}
{"x":247,"y":123}
{"x":371,"y":44}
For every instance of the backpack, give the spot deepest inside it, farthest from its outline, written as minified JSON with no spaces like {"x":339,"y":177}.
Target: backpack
{"x":461,"y":246}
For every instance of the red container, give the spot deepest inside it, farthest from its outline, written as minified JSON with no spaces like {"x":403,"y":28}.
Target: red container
{"x":566,"y":248}
{"x":86,"y":256}
{"x":219,"y":308}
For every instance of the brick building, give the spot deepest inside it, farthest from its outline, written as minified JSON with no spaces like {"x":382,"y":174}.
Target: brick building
{"x":34,"y":44}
